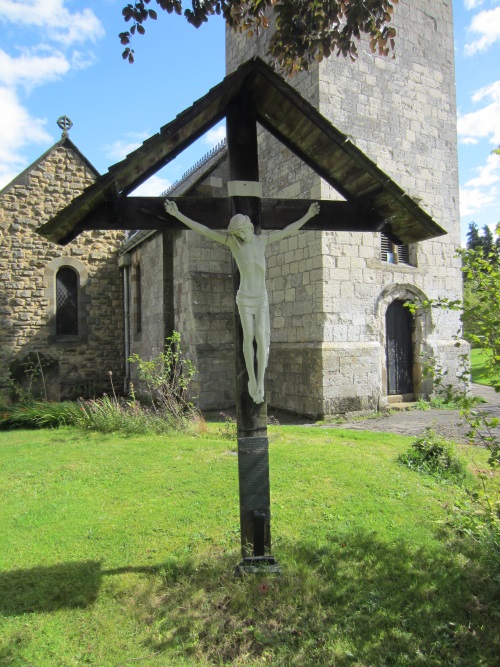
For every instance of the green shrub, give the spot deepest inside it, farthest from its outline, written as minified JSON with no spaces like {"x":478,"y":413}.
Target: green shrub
{"x":476,"y":514}
{"x":432,"y":454}
{"x":38,"y":414}
{"x":109,"y":415}
{"x":228,"y":429}
{"x":165,"y":379}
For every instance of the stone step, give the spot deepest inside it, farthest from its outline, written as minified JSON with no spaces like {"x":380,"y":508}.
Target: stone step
{"x":401,"y":398}
{"x":407,"y":405}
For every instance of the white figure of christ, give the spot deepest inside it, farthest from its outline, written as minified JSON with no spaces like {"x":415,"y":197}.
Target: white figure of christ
{"x":248,"y":250}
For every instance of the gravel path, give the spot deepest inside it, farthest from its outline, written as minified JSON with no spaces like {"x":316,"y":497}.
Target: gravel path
{"x":413,"y":422}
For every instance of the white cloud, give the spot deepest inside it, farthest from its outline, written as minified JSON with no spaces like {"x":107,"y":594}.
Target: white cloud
{"x":81,"y":60}
{"x":473,"y":4}
{"x":482,"y":123}
{"x":215,"y":135}
{"x":486,"y":24}
{"x":30,"y":69}
{"x":473,"y":200}
{"x":491,"y":90}
{"x":469,"y":141}
{"x":481,"y":192}
{"x":153,"y":187}
{"x":487,"y":175}
{"x":54,"y":19}
{"x":17,"y":129}
{"x":119,"y":149}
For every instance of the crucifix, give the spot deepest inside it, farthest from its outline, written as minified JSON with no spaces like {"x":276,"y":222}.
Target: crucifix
{"x":253,"y":94}
{"x":247,"y":242}
{"x":247,"y":239}
{"x":249,"y":252}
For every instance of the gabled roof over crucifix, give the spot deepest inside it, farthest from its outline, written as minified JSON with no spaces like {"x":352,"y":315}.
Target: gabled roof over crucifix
{"x":373,"y":201}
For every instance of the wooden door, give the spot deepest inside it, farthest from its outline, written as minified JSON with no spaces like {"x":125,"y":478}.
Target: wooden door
{"x":399,"y":349}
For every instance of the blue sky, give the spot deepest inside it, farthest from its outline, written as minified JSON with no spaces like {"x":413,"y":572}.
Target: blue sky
{"x":63,"y":57}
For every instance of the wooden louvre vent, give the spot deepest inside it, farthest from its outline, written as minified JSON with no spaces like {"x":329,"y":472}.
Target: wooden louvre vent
{"x":393,"y":253}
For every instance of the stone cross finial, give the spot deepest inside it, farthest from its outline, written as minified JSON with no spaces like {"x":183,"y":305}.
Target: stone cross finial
{"x":65,"y":124}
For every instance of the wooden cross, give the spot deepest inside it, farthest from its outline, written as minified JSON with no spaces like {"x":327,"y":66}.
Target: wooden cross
{"x":149,"y":213}
{"x":373,"y":202}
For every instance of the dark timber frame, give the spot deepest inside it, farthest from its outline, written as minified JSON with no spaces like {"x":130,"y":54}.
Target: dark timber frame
{"x":253,"y":94}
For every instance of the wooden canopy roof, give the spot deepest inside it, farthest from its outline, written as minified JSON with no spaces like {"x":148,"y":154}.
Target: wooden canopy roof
{"x":281,"y":110}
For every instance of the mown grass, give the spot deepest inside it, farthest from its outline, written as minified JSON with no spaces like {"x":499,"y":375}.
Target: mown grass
{"x":121,"y":550}
{"x":479,"y":371}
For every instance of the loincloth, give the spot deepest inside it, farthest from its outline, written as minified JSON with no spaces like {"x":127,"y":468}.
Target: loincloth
{"x":256,"y":305}
{"x":252,"y":304}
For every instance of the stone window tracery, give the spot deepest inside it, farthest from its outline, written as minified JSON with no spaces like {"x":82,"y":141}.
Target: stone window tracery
{"x":66,"y":302}
{"x":66,"y":279}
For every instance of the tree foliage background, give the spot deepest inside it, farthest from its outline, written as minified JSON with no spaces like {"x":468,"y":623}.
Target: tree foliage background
{"x":481,"y":302}
{"x":303,"y":30}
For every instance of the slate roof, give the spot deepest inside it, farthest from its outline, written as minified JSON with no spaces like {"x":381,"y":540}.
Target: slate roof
{"x":291,"y":119}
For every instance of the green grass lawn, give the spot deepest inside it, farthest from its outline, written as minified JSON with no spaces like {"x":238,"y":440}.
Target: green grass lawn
{"x":121,"y":550}
{"x":479,"y":372}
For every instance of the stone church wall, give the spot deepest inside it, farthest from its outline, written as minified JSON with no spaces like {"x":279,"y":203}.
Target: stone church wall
{"x":203,"y":298}
{"x":187,"y":286}
{"x":205,"y":318}
{"x":75,"y":365}
{"x":149,"y":296}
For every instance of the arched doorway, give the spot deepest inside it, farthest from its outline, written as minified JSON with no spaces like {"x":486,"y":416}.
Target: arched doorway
{"x":399,"y":349}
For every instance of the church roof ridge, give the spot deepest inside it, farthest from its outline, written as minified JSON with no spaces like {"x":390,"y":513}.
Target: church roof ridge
{"x":213,"y":152}
{"x":64,"y":141}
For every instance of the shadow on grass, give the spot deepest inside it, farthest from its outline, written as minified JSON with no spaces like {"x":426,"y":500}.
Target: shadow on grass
{"x":62,"y":586}
{"x":356,"y":600}
{"x":46,"y":589}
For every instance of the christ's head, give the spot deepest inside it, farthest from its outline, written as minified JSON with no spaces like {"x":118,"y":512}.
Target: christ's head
{"x":241,"y":227}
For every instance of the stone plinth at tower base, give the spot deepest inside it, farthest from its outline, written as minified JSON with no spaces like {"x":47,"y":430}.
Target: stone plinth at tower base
{"x":325,"y":379}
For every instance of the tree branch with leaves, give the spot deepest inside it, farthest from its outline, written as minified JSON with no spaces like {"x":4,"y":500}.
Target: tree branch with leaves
{"x":305,"y":31}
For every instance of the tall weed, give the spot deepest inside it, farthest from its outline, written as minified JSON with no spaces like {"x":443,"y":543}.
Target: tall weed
{"x":109,"y":415}
{"x":165,"y":379}
{"x":38,"y":414}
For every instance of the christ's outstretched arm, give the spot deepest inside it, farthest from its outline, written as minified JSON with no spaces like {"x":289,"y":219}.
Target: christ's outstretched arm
{"x":171,"y":209}
{"x":295,"y":226}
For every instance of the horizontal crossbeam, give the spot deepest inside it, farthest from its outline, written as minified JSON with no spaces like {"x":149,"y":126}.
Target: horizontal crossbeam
{"x":149,"y":213}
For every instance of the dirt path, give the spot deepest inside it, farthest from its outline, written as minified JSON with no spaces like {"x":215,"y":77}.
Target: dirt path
{"x":413,"y":422}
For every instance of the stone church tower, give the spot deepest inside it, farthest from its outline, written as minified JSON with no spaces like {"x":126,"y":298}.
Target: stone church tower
{"x":341,"y":340}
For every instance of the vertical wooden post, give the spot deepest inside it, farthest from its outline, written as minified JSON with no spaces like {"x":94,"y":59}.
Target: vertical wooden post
{"x":253,"y":458}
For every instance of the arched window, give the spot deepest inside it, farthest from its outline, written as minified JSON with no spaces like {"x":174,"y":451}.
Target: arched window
{"x":66,"y":302}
